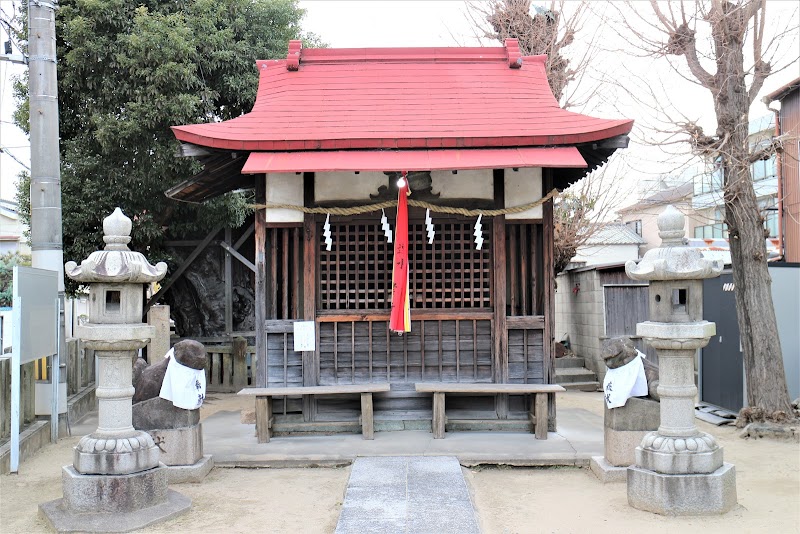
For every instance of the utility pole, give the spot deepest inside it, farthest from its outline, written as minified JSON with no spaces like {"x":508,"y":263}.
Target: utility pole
{"x":46,"y":242}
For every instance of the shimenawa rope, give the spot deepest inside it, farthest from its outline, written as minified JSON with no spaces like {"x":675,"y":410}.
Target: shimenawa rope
{"x":357,"y":210}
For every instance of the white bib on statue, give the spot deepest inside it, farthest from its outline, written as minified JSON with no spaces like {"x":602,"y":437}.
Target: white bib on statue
{"x":625,"y":382}
{"x":184,"y":386}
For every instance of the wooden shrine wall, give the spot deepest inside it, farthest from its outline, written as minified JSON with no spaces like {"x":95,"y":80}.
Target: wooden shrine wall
{"x":457,"y":333}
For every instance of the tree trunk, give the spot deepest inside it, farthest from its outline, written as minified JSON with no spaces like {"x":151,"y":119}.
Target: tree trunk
{"x":758,"y":330}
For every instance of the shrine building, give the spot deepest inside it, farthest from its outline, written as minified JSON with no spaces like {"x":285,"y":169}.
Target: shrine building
{"x":476,"y":129}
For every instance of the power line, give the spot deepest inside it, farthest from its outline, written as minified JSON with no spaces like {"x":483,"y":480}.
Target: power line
{"x":4,"y":150}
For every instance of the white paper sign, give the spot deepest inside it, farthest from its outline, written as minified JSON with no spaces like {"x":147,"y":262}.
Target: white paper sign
{"x":305,"y":336}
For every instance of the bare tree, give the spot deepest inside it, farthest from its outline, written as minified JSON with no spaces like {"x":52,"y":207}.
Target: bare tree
{"x":582,"y":210}
{"x":719,"y":33}
{"x":542,"y":31}
{"x":549,"y":29}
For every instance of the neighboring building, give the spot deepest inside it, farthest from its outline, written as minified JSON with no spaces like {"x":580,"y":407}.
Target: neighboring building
{"x":788,"y":126}
{"x":708,"y":201}
{"x":611,"y":243}
{"x":642,"y":217}
{"x":12,"y":229}
{"x":594,"y":303}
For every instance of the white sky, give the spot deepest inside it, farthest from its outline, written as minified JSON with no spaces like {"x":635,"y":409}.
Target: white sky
{"x":383,"y":23}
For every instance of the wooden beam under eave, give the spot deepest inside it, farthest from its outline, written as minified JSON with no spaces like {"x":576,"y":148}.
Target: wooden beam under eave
{"x":260,"y":217}
{"x":190,"y":150}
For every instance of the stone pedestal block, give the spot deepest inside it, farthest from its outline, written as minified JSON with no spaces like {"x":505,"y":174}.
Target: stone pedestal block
{"x":619,"y":446}
{"x":694,"y":494}
{"x":113,"y":493}
{"x":626,"y":426}
{"x":113,"y":503}
{"x":638,"y":414}
{"x":179,"y":446}
{"x":157,"y":413}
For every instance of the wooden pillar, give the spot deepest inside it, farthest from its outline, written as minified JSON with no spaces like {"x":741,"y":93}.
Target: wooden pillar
{"x":499,"y":284}
{"x":367,"y":424}
{"x":549,"y":294}
{"x":264,"y":419}
{"x":261,"y":282}
{"x":438,"y":419}
{"x":310,"y":245}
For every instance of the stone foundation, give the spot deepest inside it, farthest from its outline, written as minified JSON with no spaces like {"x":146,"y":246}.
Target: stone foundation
{"x":113,"y":503}
{"x":694,"y":494}
{"x":606,"y":472}
{"x":180,"y":474}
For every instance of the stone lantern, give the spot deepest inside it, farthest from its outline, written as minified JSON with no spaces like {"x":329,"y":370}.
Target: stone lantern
{"x":679,"y":470}
{"x":116,"y":482}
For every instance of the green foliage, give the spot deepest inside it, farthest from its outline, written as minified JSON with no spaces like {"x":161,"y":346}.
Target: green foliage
{"x":7,"y":263}
{"x":23,"y":199}
{"x":127,"y":72}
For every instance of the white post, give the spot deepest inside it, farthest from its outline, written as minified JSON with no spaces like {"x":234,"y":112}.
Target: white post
{"x":16,"y":342}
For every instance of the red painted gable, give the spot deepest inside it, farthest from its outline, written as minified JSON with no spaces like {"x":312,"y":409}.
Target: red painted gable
{"x":402,"y":98}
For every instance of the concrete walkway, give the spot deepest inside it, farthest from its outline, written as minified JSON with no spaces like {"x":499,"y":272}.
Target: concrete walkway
{"x":409,"y":494}
{"x":579,"y":437}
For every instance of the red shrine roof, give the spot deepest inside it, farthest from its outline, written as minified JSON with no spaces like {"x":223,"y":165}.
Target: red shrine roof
{"x":402,"y":98}
{"x":390,"y":109}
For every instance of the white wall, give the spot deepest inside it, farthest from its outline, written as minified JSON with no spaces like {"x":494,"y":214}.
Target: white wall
{"x":465,"y":184}
{"x":284,"y":188}
{"x":523,"y":187}
{"x":332,"y":186}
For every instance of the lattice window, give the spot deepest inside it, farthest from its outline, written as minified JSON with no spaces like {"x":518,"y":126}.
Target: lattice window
{"x":448,"y":274}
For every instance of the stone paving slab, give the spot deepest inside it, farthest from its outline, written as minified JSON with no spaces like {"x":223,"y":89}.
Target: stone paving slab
{"x":233,"y":444}
{"x":410,"y":494}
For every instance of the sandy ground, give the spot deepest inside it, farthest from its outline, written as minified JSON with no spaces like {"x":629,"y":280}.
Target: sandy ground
{"x":507,"y":500}
{"x":513,"y":500}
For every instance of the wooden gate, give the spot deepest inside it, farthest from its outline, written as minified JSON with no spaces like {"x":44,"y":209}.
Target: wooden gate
{"x":626,"y":305}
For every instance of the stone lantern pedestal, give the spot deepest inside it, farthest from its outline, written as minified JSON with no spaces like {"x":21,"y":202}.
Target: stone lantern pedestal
{"x":116,"y":482}
{"x":679,"y":470}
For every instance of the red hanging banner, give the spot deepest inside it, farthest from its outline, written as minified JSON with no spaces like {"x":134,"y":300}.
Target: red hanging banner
{"x":400,"y":320}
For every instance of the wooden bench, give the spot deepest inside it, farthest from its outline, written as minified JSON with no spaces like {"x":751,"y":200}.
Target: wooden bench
{"x":538,"y":411}
{"x":265,"y":420}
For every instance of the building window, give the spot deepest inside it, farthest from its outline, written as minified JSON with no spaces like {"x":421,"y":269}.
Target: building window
{"x":636,"y":226}
{"x":769,"y":211}
{"x":713,"y":181}
{"x":763,"y":169}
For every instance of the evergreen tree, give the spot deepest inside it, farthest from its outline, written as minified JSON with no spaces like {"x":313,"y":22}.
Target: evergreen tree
{"x":127,"y":72}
